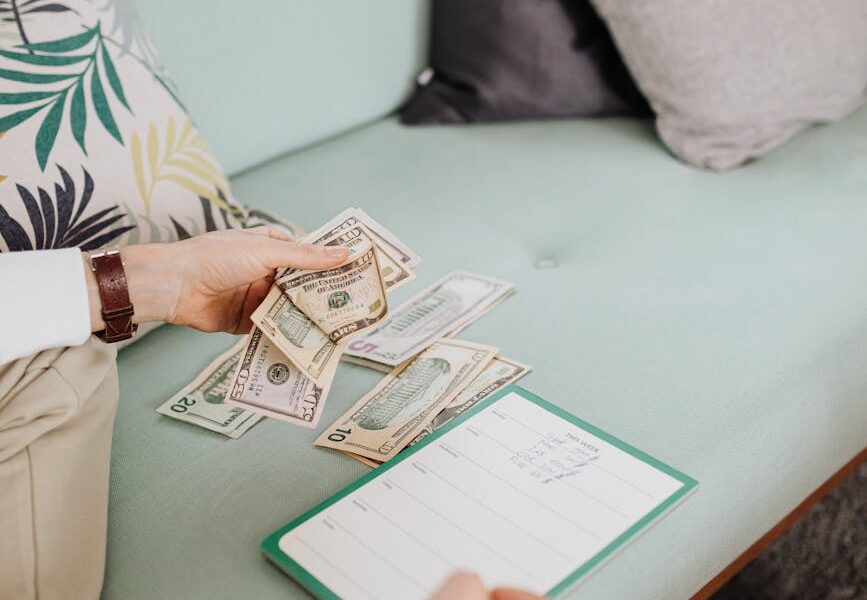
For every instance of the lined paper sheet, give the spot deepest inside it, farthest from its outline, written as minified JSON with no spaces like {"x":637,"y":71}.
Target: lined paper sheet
{"x":516,"y":493}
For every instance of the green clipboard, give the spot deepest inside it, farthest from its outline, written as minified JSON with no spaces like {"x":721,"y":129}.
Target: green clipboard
{"x":271,"y":544}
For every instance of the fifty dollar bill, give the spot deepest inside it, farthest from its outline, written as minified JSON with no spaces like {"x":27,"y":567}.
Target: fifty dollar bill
{"x":267,"y":383}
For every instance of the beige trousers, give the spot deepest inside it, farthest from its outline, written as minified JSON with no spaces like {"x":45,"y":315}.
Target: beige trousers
{"x":56,"y":417}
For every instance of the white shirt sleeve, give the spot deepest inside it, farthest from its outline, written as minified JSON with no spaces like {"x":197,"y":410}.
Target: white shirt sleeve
{"x":43,"y":303}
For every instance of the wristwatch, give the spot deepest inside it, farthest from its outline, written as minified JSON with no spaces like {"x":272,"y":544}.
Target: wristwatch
{"x":117,"y":310}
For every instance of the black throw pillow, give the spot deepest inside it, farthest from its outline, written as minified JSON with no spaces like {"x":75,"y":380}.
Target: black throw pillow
{"x":498,"y":60}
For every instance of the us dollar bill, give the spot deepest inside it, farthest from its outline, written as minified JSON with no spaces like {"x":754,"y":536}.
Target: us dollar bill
{"x":266,"y":382}
{"x":499,"y":373}
{"x":370,"y":364}
{"x":344,"y":300}
{"x":369,"y":462}
{"x":441,"y":309}
{"x":297,"y":337}
{"x":390,"y":416}
{"x":306,"y":345}
{"x":389,"y":242}
{"x":202,"y":402}
{"x":397,"y":260}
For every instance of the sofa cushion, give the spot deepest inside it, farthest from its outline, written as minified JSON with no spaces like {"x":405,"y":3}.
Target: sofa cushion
{"x":98,"y":147}
{"x":731,"y":80}
{"x":716,"y":322}
{"x":495,"y":60}
{"x":294,"y":71}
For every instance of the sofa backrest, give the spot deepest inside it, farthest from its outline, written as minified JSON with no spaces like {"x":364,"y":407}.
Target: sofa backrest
{"x":265,"y":77}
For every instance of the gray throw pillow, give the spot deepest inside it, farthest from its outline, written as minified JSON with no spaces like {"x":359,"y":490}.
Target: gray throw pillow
{"x":494,"y":60}
{"x":729,"y":80}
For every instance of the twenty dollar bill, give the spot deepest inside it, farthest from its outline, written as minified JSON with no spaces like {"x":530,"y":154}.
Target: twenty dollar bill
{"x":202,"y":401}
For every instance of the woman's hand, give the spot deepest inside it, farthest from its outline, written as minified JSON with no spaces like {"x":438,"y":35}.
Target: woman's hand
{"x":212,"y":282}
{"x":465,"y":586}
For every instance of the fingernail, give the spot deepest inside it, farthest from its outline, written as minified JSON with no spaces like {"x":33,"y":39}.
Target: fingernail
{"x":336,"y":251}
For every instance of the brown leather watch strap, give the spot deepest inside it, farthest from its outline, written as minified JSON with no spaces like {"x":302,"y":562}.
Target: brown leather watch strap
{"x":117,"y":310}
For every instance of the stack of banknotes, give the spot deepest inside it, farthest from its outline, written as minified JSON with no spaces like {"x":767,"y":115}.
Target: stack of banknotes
{"x":308,"y":317}
{"x":309,"y":320}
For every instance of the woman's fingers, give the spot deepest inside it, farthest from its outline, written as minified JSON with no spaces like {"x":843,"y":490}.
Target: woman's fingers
{"x":268,"y":231}
{"x":296,"y":254}
{"x":510,"y":594}
{"x":278,"y":253}
{"x":255,"y":295}
{"x":461,"y":586}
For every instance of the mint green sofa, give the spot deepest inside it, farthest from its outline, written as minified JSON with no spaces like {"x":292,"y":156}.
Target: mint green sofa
{"x":718,"y":322}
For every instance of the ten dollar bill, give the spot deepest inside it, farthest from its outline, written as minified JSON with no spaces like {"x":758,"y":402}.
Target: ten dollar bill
{"x":391,"y":415}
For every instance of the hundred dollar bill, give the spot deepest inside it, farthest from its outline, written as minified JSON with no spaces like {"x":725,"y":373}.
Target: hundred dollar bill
{"x":202,"y":401}
{"x":447,"y":306}
{"x":499,"y":373}
{"x":390,"y":416}
{"x":266,"y":382}
{"x":344,"y":300}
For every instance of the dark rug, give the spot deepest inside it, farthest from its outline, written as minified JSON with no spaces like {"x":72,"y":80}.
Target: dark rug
{"x":822,"y":557}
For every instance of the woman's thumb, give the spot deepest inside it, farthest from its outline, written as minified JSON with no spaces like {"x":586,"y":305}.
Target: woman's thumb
{"x":461,"y":586}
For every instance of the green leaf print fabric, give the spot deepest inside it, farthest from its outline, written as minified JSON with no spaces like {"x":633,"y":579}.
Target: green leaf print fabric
{"x":96,"y":147}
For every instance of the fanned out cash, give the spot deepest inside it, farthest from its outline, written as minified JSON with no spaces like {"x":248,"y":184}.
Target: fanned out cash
{"x":407,"y":400}
{"x":346,"y":299}
{"x":294,"y":330}
{"x":202,"y":401}
{"x":499,"y":373}
{"x":285,"y":366}
{"x":301,"y":327}
{"x":398,"y":260}
{"x":440,"y":310}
